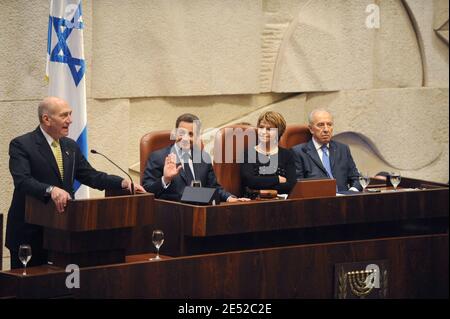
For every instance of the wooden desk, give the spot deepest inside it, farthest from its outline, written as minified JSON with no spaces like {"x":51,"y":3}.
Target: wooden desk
{"x":272,"y":249}
{"x":191,"y":229}
{"x":417,"y":268}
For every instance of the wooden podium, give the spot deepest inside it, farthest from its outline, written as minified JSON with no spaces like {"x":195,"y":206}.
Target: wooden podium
{"x":313,"y":188}
{"x":90,"y":232}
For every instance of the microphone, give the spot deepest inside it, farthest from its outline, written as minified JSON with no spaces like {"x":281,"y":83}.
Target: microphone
{"x":132,"y":184}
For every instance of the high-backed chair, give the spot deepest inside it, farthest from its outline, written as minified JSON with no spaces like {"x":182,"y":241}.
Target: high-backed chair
{"x":295,"y":134}
{"x":226,"y":151}
{"x":151,"y":142}
{"x":229,"y":144}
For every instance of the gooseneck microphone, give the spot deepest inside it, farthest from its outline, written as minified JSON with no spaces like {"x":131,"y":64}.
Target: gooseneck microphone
{"x":132,"y":184}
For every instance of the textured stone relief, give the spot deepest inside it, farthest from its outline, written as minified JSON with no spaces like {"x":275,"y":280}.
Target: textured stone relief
{"x":426,"y":16}
{"x":329,"y":47}
{"x":441,"y":18}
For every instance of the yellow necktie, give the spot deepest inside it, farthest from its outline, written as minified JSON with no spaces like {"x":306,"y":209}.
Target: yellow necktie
{"x":56,"y":149}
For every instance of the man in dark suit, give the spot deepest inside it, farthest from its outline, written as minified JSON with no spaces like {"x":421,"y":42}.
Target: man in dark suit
{"x":44,"y":164}
{"x":321,"y":157}
{"x":171,"y":169}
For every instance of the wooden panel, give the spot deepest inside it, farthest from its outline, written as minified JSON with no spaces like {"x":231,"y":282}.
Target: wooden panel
{"x":88,"y":248}
{"x":87,"y":259}
{"x":302,"y":213}
{"x":191,"y":229}
{"x":168,"y":218}
{"x":418,"y":268}
{"x":40,"y":282}
{"x":92,"y":214}
{"x":76,"y":242}
{"x":314,"y":188}
{"x":91,"y":231}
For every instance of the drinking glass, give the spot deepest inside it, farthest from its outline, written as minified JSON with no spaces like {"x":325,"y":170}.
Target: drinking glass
{"x":158,"y":240}
{"x":24,"y":256}
{"x":395,"y":179}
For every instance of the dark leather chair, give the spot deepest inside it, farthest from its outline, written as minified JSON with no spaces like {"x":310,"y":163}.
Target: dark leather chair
{"x":229,"y":144}
{"x":151,"y":142}
{"x":295,"y":134}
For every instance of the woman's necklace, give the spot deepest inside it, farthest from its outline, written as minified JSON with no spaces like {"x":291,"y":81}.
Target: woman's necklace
{"x":267,"y":153}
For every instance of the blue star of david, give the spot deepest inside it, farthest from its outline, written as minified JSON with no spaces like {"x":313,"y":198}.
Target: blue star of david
{"x":60,"y":24}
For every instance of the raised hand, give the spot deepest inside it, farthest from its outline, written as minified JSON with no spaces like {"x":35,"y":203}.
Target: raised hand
{"x":170,"y":168}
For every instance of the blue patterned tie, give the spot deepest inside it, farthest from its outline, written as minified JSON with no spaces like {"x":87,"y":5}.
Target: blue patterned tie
{"x":326,"y":160}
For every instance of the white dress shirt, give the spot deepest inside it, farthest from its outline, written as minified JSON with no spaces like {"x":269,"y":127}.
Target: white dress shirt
{"x":48,"y":138}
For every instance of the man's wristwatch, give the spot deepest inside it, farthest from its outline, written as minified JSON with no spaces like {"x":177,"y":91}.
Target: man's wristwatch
{"x":48,"y":190}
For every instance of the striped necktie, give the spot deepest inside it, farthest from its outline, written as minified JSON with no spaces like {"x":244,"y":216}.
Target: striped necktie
{"x":56,"y":149}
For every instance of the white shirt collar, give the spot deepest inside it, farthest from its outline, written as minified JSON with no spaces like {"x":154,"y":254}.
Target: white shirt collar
{"x":317,"y":145}
{"x":47,"y":136}
{"x":180,"y":152}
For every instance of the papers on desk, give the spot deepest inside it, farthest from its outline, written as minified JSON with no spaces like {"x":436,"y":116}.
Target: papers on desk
{"x":399,"y":190}
{"x":379,"y":190}
{"x":282,"y":196}
{"x":349,"y":192}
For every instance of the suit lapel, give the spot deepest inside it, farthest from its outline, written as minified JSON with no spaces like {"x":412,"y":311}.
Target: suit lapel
{"x":46,"y":152}
{"x":312,"y":152}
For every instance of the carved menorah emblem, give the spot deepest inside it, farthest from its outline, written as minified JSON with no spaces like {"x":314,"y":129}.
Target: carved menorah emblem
{"x":361,"y":280}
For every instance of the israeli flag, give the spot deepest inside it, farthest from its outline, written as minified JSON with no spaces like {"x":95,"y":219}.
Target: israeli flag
{"x":66,"y":68}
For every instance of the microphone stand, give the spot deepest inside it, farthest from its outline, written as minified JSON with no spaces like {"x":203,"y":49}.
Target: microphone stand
{"x":132,"y":184}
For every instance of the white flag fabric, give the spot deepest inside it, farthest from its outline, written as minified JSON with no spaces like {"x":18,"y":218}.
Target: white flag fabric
{"x":66,"y":69}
